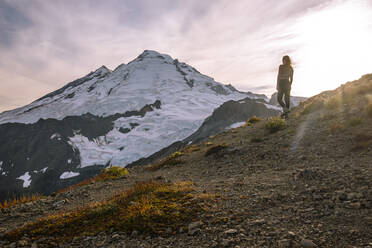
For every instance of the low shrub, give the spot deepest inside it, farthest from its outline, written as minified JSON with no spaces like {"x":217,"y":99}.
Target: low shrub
{"x":355,"y":122}
{"x":252,"y":120}
{"x":256,"y":140}
{"x":369,"y":110}
{"x":191,"y":148}
{"x":112,"y":172}
{"x":360,"y":146}
{"x":365,"y":89}
{"x":172,"y":159}
{"x":215,"y":149}
{"x":274,"y":124}
{"x":328,"y":116}
{"x":148,"y":208}
{"x":333,"y":102}
{"x":361,"y":142}
{"x":362,"y":138}
{"x":209,"y":143}
{"x":311,"y":106}
{"x":335,"y":127}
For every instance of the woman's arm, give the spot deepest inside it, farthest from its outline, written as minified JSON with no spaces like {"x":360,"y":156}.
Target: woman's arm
{"x":277,"y":79}
{"x":291,"y":76}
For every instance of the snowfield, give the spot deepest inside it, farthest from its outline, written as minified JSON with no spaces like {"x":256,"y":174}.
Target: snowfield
{"x":69,"y":174}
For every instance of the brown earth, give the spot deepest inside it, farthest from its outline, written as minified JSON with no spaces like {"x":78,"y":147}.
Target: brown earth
{"x":308,"y":185}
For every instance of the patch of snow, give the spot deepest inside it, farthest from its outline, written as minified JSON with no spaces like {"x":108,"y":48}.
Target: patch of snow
{"x":69,"y":174}
{"x":3,"y":173}
{"x":94,"y":152}
{"x":74,"y":147}
{"x":41,"y":171}
{"x":26,"y":179}
{"x":55,"y":135}
{"x":27,"y":158}
{"x":269,"y":106}
{"x":69,"y":161}
{"x":235,"y":125}
{"x":1,"y":163}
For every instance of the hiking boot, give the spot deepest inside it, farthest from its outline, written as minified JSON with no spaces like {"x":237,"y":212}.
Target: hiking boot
{"x":285,"y":113}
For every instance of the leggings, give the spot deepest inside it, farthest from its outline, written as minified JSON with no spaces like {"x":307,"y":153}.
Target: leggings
{"x":284,"y":89}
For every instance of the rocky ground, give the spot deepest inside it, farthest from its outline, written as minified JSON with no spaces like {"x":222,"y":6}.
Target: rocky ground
{"x":308,"y":185}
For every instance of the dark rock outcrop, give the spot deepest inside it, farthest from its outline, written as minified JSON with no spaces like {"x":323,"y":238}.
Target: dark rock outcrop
{"x":45,"y":144}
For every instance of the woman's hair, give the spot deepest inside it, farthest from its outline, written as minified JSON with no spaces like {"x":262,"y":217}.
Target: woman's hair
{"x":287,"y":60}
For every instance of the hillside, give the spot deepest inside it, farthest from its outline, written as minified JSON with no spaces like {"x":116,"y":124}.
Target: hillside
{"x":304,"y":182}
{"x":110,"y":118}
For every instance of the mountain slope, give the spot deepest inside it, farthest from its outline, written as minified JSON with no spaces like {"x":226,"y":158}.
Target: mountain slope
{"x":107,"y":117}
{"x":305,"y":185}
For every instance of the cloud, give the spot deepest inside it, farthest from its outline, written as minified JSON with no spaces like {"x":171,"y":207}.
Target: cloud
{"x":45,"y":44}
{"x":12,"y":20}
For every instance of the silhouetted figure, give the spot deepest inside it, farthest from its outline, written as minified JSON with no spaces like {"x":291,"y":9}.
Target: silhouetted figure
{"x":284,"y":83}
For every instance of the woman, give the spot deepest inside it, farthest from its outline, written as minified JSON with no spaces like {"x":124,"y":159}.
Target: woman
{"x":284,"y":83}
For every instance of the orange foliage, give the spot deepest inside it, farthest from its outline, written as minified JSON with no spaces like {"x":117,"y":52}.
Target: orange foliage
{"x":20,"y":200}
{"x":109,"y":173}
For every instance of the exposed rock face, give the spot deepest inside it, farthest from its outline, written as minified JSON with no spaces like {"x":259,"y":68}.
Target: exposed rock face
{"x":44,"y":151}
{"x":229,"y":113}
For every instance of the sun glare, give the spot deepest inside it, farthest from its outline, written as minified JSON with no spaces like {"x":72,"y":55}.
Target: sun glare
{"x":335,"y":46}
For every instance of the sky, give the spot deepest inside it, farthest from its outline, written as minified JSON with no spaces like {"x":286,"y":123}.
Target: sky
{"x":46,"y":44}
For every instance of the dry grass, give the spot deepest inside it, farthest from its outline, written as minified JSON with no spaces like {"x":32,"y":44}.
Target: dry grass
{"x":274,"y":124}
{"x":354,"y":122}
{"x":215,"y":149}
{"x":369,"y":110}
{"x":106,"y":174}
{"x":252,"y":120}
{"x":191,"y":149}
{"x":329,"y":116}
{"x":335,"y":127}
{"x":171,"y":160}
{"x":361,"y":142}
{"x":148,"y":207}
{"x":310,"y":106}
{"x":19,"y":200}
{"x":352,"y":91}
{"x":333,"y":103}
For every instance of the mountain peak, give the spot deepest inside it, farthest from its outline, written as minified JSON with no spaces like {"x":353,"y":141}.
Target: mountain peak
{"x":151,"y":54}
{"x":102,"y":70}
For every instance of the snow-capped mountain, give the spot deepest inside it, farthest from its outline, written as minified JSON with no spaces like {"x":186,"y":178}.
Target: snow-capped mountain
{"x":108,"y":117}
